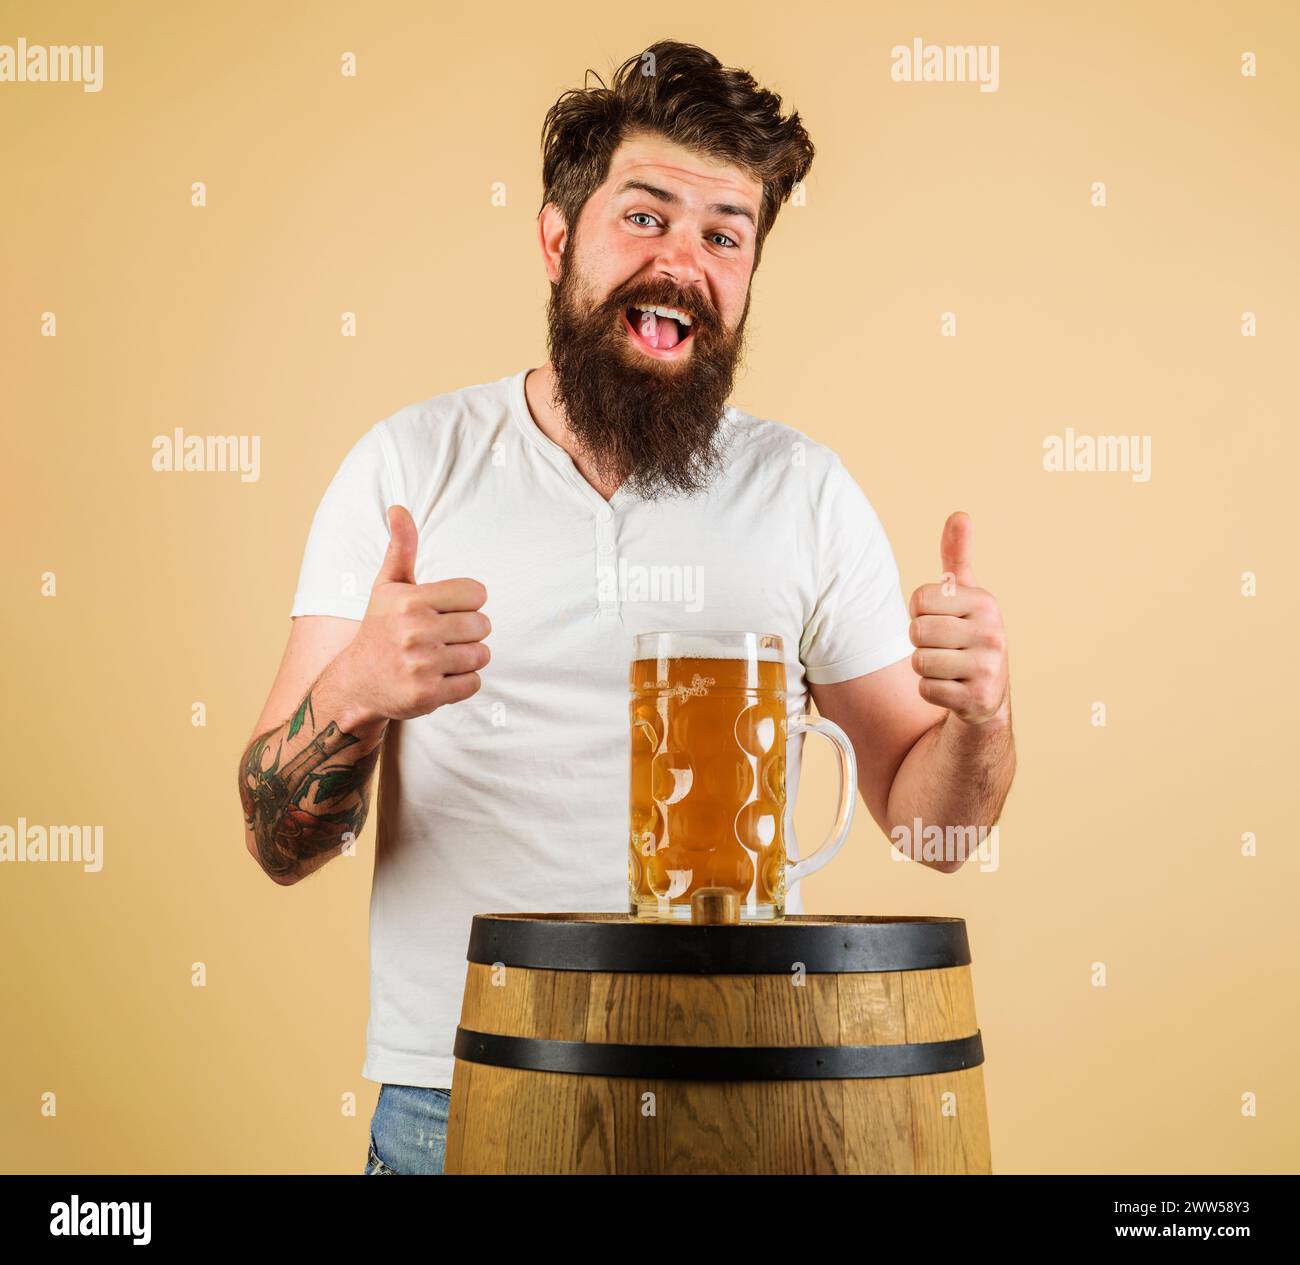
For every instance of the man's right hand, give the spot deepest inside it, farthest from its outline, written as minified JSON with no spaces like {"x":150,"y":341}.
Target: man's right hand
{"x":419,"y":645}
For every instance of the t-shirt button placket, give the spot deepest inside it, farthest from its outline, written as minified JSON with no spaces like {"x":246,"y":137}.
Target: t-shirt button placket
{"x":606,"y":567}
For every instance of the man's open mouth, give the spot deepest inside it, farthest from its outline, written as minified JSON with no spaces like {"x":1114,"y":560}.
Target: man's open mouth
{"x":660,"y":331}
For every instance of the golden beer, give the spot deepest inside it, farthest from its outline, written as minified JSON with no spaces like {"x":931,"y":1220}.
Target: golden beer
{"x":707,"y":797}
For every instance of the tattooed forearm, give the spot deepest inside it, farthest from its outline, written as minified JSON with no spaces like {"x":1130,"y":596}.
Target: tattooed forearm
{"x":305,"y":790}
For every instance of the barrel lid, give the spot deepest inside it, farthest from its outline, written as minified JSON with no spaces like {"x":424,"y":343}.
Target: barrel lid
{"x":830,"y":944}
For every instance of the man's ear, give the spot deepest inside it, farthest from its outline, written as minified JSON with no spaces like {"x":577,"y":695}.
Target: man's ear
{"x":552,"y":236}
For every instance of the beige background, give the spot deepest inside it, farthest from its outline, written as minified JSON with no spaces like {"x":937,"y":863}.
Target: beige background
{"x":1120,"y":845}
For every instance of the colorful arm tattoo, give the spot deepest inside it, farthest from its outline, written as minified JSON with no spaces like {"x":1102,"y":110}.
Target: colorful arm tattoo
{"x":305,"y":808}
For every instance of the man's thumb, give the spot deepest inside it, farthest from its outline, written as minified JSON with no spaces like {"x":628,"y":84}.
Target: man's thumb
{"x":398,"y":565}
{"x":955,"y":548}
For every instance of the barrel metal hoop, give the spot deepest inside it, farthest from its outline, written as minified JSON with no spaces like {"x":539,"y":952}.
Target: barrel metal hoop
{"x":719,"y":1063}
{"x":849,"y":946}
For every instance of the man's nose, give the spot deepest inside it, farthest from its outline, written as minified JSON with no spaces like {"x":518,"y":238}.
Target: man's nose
{"x":680,"y":257}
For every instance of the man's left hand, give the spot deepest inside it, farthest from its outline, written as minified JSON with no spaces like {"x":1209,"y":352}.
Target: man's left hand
{"x":961,"y":646}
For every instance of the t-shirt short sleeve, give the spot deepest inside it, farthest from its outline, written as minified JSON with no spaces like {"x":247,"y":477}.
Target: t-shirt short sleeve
{"x":859,"y":622}
{"x":349,"y":533}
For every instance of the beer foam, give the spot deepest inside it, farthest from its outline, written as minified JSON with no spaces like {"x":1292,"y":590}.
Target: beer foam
{"x":703,"y":644}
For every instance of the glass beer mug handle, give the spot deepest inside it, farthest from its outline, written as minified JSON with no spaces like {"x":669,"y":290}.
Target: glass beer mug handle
{"x":848,"y":798}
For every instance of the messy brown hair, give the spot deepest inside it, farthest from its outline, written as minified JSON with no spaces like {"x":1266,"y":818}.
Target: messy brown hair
{"x":685,"y":94}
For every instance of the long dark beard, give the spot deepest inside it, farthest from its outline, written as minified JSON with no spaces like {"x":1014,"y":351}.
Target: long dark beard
{"x":651,"y":425}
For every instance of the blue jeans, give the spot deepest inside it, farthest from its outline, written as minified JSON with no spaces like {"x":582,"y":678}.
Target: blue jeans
{"x":408,"y":1132}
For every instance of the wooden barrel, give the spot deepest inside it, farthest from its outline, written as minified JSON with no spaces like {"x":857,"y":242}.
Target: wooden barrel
{"x":594,"y":1043}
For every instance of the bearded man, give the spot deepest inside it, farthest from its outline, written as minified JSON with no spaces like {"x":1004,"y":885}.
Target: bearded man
{"x":557,"y":509}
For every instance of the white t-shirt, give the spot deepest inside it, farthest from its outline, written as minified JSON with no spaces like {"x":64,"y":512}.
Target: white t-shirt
{"x":517,"y":798}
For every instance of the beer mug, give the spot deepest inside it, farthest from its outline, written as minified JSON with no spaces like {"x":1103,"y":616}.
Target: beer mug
{"x":709,"y":737}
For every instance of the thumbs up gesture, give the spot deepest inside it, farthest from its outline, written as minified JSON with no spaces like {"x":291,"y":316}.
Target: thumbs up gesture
{"x":419,"y":645}
{"x":961,"y":646}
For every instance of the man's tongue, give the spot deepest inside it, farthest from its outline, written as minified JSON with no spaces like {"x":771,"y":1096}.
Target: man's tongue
{"x":659,"y":331}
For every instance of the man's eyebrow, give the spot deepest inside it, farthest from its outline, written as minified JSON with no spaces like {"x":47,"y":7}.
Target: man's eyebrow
{"x":664,"y":195}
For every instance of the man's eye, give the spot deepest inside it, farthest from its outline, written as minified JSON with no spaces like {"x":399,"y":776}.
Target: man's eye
{"x":725,"y":238}
{"x":645,"y":215}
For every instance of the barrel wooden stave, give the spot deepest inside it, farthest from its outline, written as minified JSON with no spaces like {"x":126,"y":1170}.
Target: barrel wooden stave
{"x":522,"y":1121}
